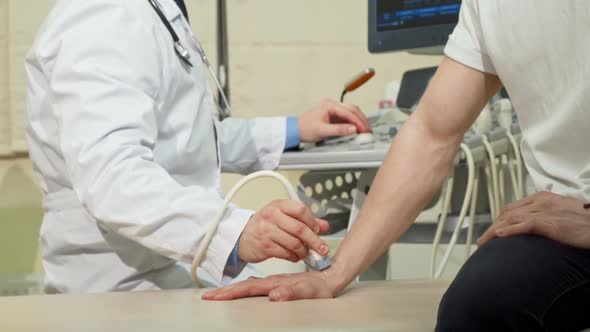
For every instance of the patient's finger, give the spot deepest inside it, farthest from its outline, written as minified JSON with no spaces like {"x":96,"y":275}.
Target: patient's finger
{"x":248,"y":288}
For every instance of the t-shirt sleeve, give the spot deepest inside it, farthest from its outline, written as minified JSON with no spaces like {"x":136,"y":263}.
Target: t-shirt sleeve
{"x":466,"y":44}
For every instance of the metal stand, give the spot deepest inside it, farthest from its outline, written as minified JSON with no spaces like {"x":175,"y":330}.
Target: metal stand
{"x":222,"y":52}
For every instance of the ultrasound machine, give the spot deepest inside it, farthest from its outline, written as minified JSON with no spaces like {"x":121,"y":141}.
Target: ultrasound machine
{"x":340,"y":170}
{"x":418,"y":26}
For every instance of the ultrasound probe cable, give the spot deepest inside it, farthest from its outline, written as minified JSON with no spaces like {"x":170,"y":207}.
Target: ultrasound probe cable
{"x":314,"y":260}
{"x":467,"y":200}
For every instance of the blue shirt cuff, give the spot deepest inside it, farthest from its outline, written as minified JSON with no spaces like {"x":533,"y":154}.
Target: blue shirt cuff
{"x":235,"y":264}
{"x":293,"y":140}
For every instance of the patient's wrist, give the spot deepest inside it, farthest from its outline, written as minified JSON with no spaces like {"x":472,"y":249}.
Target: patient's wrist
{"x":336,"y":278}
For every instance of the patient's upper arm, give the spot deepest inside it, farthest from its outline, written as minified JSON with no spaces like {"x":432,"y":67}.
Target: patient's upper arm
{"x":453,"y":100}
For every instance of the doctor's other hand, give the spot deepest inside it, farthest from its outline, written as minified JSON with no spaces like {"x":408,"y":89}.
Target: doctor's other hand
{"x":332,"y":118}
{"x":560,"y":218}
{"x":283,"y":229}
{"x":279,"y":288}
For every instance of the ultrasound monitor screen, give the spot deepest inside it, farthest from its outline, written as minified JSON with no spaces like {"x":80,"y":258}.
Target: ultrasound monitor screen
{"x":403,"y":14}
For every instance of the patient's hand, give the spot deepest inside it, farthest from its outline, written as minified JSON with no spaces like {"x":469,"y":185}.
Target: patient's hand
{"x":556,"y":217}
{"x":285,"y":287}
{"x":332,"y":118}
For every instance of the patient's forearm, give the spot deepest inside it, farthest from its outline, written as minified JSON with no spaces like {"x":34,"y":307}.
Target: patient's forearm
{"x":415,"y":167}
{"x":412,"y":172}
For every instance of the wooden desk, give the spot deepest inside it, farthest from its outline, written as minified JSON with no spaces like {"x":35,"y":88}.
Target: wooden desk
{"x":372,"y":306}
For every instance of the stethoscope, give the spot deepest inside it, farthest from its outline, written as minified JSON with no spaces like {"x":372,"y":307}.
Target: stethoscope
{"x":184,"y":55}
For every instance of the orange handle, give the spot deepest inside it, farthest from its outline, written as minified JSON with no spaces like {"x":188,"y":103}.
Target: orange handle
{"x":356,"y":82}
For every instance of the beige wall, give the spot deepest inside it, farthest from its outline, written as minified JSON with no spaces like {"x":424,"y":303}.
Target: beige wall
{"x":286,"y":55}
{"x":24,"y":19}
{"x":4,"y":93}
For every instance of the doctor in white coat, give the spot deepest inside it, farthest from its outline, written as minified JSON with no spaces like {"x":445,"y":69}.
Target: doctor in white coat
{"x":124,"y":139}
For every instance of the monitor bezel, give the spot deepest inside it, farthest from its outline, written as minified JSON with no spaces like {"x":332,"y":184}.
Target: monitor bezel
{"x":406,"y":39}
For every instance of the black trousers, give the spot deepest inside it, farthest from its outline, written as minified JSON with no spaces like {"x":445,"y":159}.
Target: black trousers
{"x":522,"y":283}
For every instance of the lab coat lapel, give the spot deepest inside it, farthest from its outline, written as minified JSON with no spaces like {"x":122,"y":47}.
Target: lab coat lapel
{"x":172,"y":12}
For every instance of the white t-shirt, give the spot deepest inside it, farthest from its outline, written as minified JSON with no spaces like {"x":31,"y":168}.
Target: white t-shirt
{"x":540,"y":49}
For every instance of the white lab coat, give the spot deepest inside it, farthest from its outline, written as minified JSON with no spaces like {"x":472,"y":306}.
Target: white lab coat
{"x":122,"y":135}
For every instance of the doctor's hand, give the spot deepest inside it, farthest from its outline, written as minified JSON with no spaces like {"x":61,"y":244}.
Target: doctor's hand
{"x":283,"y":229}
{"x":286,"y":287}
{"x":332,"y":118}
{"x":556,"y":217}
